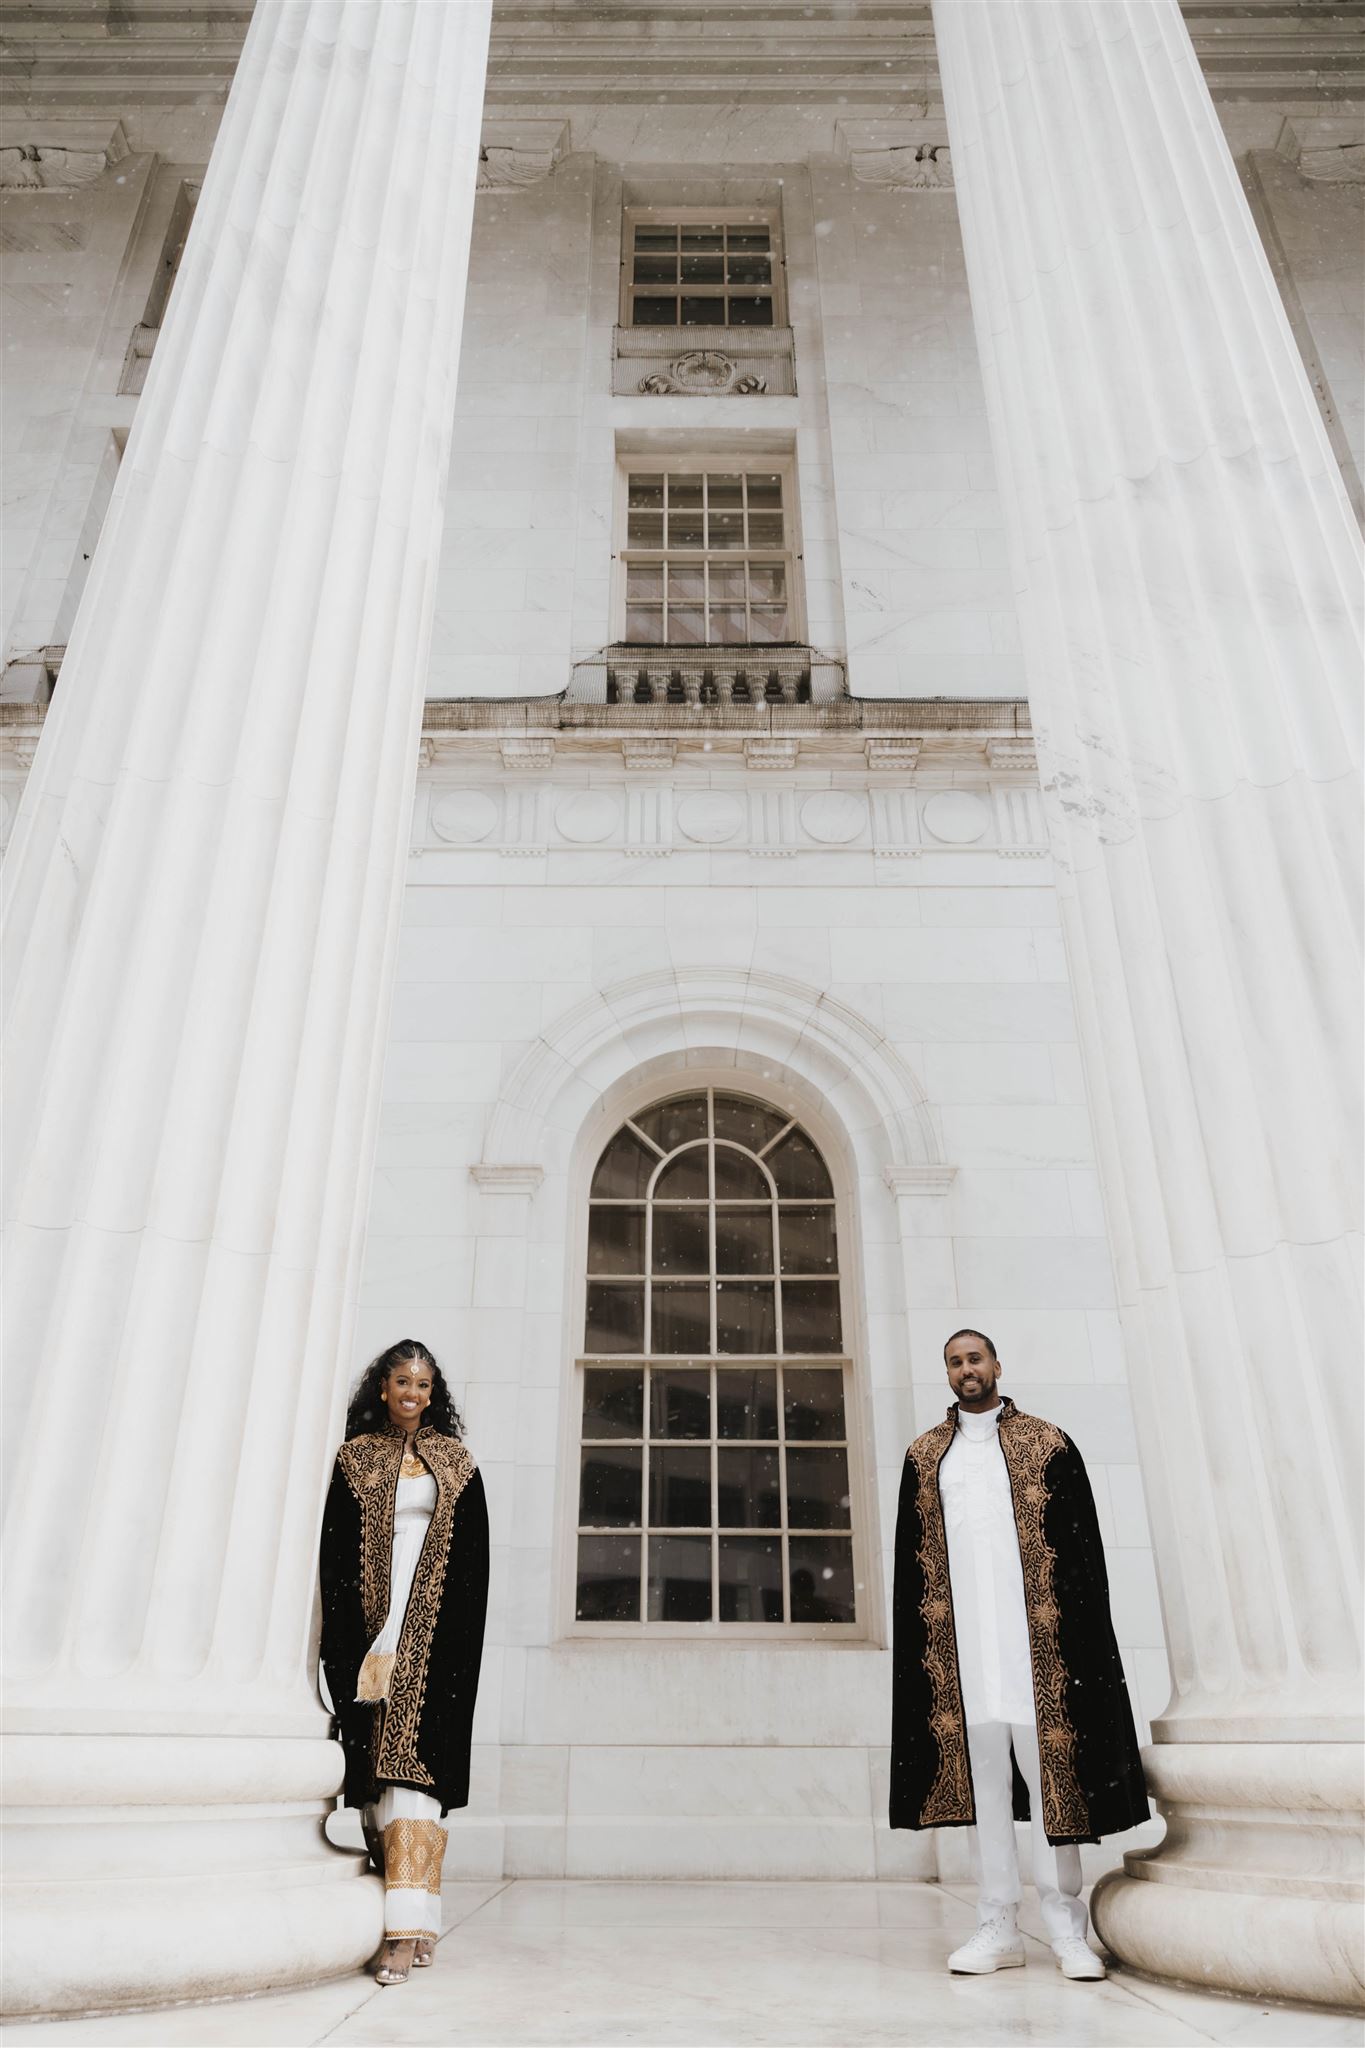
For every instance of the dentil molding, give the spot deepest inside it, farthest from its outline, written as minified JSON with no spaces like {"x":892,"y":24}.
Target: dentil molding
{"x":537,"y":752}
{"x":1011,"y":752}
{"x":769,"y":753}
{"x":648,"y":753}
{"x":892,"y":753}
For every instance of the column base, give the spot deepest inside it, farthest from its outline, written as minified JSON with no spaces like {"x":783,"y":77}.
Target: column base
{"x":1256,"y":1889}
{"x":145,"y":1870}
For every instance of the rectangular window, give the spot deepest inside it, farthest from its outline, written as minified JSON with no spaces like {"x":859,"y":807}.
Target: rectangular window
{"x":715,"y":1494}
{"x":688,"y":270}
{"x":709,"y":556}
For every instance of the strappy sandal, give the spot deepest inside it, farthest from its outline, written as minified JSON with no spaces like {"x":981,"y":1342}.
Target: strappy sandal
{"x":424,"y":1955}
{"x":395,"y":1962}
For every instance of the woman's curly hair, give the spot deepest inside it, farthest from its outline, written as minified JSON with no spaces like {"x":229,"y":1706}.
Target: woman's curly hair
{"x":367,"y":1411}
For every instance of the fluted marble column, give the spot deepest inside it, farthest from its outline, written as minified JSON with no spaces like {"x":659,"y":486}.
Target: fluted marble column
{"x":203,"y":896}
{"x":1187,"y":574}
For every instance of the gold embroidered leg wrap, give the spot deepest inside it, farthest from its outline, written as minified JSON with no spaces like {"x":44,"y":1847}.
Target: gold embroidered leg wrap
{"x":413,"y":1853}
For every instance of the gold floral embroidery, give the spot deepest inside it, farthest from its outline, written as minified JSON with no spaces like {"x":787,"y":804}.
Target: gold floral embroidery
{"x":452,"y":1468}
{"x":413,"y":1850}
{"x":950,"y":1796}
{"x":1027,"y":1444}
{"x":370,"y":1464}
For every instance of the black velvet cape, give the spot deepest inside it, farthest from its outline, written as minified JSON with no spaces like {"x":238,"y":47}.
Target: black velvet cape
{"x":1091,"y":1772}
{"x":421,"y":1734}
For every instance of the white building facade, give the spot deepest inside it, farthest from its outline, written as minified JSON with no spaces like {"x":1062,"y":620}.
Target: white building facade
{"x":800,"y":808}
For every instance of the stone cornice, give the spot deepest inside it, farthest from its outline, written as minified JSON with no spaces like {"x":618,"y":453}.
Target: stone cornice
{"x":647,"y":52}
{"x":886,"y":735}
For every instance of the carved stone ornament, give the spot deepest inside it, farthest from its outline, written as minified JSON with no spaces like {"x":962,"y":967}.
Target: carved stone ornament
{"x":703,"y":370}
{"x":504,"y":170}
{"x":33,"y":167}
{"x":912,"y":167}
{"x":1335,"y":163}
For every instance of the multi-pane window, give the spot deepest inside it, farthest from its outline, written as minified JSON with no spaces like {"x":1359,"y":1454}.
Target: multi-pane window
{"x":704,"y":274}
{"x":707,"y":558}
{"x":714,"y":1483}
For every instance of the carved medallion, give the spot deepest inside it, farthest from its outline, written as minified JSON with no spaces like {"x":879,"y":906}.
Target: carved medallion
{"x":710,"y":819}
{"x":588,"y":816}
{"x":463,"y":816}
{"x":955,"y":817}
{"x":834,"y":816}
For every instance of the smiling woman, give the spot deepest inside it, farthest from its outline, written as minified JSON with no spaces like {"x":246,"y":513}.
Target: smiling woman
{"x":404,"y":1590}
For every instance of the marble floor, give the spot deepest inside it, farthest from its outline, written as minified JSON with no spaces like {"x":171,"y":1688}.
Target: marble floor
{"x":712,"y":1966}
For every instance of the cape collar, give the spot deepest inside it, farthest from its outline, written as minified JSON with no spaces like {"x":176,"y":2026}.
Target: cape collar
{"x":1007,"y":1410}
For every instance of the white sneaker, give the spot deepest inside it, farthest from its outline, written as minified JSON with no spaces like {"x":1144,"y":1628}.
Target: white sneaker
{"x":996,"y":1946}
{"x":1076,"y":1958}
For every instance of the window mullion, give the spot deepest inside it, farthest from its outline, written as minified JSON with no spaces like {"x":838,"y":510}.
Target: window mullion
{"x":715,"y":1496}
{"x":779,"y":1337}
{"x":782,"y":1490}
{"x":644,"y":1503}
{"x":711,"y":1211}
{"x":649,"y":1277}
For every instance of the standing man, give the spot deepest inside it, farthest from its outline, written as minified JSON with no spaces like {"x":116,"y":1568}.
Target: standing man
{"x":1008,"y":1693}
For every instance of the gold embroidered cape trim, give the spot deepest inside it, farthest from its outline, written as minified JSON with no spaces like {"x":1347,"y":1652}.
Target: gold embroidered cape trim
{"x":371,"y":1465}
{"x":1027,"y":1444}
{"x":950,"y":1796}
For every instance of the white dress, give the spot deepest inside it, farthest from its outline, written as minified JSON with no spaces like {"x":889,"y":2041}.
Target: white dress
{"x":413,"y":1509}
{"x":408,"y":1820}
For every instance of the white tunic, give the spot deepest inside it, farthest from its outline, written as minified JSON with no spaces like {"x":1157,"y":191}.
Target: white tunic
{"x":989,"y":1613}
{"x":413,"y":1509}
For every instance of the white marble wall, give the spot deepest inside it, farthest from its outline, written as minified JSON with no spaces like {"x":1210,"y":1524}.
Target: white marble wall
{"x":903,"y":561}
{"x":607,"y":1758}
{"x":1309,"y":200}
{"x":927,"y":600}
{"x":78,"y":268}
{"x":63,"y":256}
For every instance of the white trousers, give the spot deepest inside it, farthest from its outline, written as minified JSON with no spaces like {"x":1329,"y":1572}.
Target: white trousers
{"x":414,"y":1844}
{"x":995,"y":1854}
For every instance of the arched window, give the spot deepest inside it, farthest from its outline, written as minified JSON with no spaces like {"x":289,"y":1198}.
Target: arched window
{"x":714,"y":1484}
